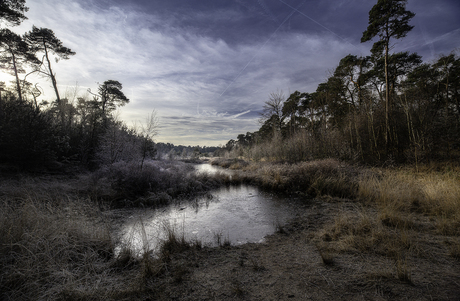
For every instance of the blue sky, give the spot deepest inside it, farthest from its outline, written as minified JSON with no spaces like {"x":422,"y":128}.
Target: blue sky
{"x":207,"y":67}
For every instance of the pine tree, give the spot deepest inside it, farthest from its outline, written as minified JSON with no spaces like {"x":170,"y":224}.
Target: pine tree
{"x":387,"y":19}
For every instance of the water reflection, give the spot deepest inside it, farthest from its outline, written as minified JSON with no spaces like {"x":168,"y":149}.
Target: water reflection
{"x":235,"y":214}
{"x":211,"y":170}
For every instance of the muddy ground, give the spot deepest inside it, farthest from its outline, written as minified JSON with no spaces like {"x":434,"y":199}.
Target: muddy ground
{"x":292,"y":264}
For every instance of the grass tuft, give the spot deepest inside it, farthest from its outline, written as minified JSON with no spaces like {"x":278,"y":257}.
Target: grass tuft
{"x":327,"y":255}
{"x":403,"y":272}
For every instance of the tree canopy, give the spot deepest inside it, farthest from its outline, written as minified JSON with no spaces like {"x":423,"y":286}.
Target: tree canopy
{"x":12,"y":11}
{"x":44,"y":40}
{"x":111,"y":95}
{"x":14,"y":54}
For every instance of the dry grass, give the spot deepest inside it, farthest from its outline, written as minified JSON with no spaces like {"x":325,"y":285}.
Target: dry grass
{"x":316,"y":178}
{"x":400,"y":193}
{"x":55,"y":245}
{"x":454,"y":249}
{"x":46,"y":254}
{"x":327,"y":255}
{"x":361,"y":232}
{"x":404,"y":216}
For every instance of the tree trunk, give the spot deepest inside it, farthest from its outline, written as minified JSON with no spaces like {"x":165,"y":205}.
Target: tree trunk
{"x":387,"y":99}
{"x":18,"y":86}
{"x":53,"y":79}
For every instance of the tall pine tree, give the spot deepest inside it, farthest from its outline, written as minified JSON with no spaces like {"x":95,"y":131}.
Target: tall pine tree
{"x":388,"y":19}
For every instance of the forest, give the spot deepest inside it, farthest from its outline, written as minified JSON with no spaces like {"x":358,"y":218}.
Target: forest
{"x":382,"y":109}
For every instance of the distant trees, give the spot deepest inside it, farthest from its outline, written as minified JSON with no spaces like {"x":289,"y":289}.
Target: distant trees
{"x":171,"y":151}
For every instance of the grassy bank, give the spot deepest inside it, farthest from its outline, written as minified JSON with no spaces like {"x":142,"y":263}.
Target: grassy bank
{"x":390,"y":208}
{"x":306,"y":179}
{"x":430,"y":190}
{"x":52,"y":245}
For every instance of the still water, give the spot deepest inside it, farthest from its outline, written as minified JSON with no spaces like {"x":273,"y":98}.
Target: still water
{"x":236,"y":215}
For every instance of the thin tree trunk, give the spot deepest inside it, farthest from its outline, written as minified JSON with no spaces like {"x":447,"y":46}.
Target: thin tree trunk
{"x":387,"y":100}
{"x":18,"y":86}
{"x":53,"y":79}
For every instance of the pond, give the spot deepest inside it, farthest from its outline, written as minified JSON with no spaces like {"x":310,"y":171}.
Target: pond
{"x":235,"y":215}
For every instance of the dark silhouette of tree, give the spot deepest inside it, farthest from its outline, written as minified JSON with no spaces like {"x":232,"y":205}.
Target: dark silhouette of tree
{"x":147,"y":131}
{"x":294,"y":110}
{"x":14,"y":53}
{"x":352,"y":71}
{"x":273,"y":106}
{"x":111,"y":95}
{"x":387,"y":19}
{"x":12,"y":11}
{"x":270,"y":127}
{"x":43,"y":40}
{"x":97,"y":116}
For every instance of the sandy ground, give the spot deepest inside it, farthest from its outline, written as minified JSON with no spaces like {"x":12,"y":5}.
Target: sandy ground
{"x":289,"y":266}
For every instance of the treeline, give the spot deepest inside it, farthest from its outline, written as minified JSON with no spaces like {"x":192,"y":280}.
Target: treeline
{"x":171,"y":151}
{"x":381,"y":108}
{"x":76,"y":131}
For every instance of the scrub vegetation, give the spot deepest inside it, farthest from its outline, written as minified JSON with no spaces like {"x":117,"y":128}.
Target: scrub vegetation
{"x":370,"y":160}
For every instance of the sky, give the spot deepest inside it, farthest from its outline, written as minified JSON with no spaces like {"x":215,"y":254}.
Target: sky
{"x":206,"y":67}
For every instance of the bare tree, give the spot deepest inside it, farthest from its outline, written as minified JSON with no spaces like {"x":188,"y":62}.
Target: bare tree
{"x":148,"y":130}
{"x":273,"y":109}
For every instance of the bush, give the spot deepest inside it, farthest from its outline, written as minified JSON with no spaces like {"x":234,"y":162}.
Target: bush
{"x":157,"y":183}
